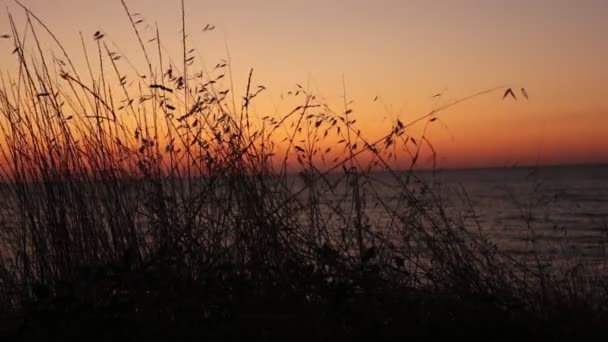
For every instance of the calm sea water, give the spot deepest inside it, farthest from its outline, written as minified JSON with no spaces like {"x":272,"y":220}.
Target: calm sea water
{"x":558,"y":211}
{"x":562,"y":210}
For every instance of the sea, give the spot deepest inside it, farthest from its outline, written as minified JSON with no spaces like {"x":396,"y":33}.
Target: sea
{"x":557,"y":213}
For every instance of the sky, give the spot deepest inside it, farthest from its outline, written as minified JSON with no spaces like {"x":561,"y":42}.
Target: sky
{"x":403,"y":52}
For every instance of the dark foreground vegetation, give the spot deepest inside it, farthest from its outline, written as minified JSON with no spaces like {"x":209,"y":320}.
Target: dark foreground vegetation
{"x":148,"y":202}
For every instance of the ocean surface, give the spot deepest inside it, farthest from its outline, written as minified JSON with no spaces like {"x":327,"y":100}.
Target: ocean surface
{"x":555,"y":212}
{"x":558,"y":212}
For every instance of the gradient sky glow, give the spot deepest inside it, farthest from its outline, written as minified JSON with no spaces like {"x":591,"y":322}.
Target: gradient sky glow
{"x":402,"y":51}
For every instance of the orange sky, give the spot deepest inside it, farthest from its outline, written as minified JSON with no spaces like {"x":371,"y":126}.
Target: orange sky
{"x":402,"y":51}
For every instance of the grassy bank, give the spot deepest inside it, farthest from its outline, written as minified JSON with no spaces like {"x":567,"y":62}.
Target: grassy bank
{"x":155,"y":205}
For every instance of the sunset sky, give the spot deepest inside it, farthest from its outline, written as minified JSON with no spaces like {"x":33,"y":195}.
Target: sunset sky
{"x":402,"y":51}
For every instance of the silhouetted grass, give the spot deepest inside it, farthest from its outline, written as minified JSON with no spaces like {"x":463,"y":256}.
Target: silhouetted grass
{"x":150,"y":205}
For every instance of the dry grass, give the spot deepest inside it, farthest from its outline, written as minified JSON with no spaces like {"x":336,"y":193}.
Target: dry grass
{"x":146,"y":200}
